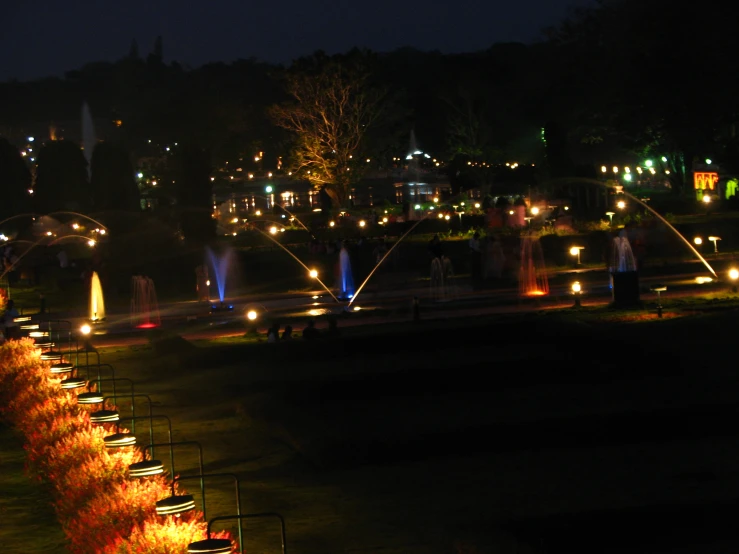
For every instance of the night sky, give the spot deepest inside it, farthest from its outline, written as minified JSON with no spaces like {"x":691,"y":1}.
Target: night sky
{"x":48,"y":37}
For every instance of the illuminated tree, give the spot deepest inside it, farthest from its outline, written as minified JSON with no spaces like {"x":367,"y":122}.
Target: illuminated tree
{"x":334,"y":105}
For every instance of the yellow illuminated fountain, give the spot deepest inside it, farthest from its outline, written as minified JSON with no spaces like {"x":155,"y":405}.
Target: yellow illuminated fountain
{"x":97,"y":304}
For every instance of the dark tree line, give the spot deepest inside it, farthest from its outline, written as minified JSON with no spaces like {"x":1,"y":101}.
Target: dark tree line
{"x":624,"y":77}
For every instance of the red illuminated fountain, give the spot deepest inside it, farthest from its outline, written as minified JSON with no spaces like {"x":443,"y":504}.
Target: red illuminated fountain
{"x":144,"y":306}
{"x":532,"y":277}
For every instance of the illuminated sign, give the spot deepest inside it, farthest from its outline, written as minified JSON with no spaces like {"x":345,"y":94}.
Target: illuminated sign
{"x":705,"y":180}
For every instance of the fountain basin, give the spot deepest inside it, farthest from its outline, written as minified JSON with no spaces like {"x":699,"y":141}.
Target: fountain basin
{"x":222,"y":307}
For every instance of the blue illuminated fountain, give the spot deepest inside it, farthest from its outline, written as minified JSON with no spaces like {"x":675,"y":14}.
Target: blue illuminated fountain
{"x":220,"y":267}
{"x":346,"y":279}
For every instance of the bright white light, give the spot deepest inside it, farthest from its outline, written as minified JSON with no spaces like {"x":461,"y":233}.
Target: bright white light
{"x":251,"y":315}
{"x":576,"y":287}
{"x":85,"y":329}
{"x":140,"y":175}
{"x":733,"y":274}
{"x":90,"y":243}
{"x":273,"y":230}
{"x":31,"y":139}
{"x":268,"y":189}
{"x":362,"y":223}
{"x":534,"y":211}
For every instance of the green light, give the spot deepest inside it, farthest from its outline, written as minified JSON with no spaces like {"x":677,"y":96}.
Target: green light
{"x":627,"y":176}
{"x":648,"y":163}
{"x":708,"y":161}
{"x":664,"y":159}
{"x":268,"y":189}
{"x":731,"y":187}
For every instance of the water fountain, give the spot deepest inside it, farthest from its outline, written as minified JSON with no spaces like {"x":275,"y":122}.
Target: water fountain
{"x":442,"y":274}
{"x":346,"y":278}
{"x":532,"y":277}
{"x":389,"y":251}
{"x":645,"y":206}
{"x":144,"y":306}
{"x":88,"y":137}
{"x":310,"y":271}
{"x":97,"y":305}
{"x":624,"y":275}
{"x":220,"y":270}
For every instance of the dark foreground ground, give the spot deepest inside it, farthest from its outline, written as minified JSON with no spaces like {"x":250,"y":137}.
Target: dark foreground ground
{"x":528,"y":433}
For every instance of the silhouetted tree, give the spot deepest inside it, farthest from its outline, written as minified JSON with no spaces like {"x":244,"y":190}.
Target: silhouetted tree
{"x":61,"y":178}
{"x":15,"y":181}
{"x":194,"y":193}
{"x":113,"y":184}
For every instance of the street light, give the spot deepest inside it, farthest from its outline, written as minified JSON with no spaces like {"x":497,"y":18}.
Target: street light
{"x":224,"y":546}
{"x":621,"y":204}
{"x":733,"y":275}
{"x":659,"y":289}
{"x":610,"y":216}
{"x":577,"y":291}
{"x":697,"y":241}
{"x":575,"y":251}
{"x":715,"y":240}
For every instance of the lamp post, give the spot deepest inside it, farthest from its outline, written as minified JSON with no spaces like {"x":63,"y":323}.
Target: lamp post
{"x":112,"y":416}
{"x":575,"y":251}
{"x":118,"y":439}
{"x":223,"y":546}
{"x":97,"y":397}
{"x":174,"y":504}
{"x":576,"y":292}
{"x":715,"y":240}
{"x":659,"y":289}
{"x":610,"y":217}
{"x":99,"y":379}
{"x":733,"y":275}
{"x":146,"y":468}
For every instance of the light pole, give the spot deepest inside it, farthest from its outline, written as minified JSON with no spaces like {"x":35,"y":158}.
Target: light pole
{"x":223,"y":546}
{"x":659,"y":289}
{"x":715,"y":240}
{"x":575,"y":251}
{"x":733,"y":275}
{"x":610,"y":217}
{"x":576,"y":292}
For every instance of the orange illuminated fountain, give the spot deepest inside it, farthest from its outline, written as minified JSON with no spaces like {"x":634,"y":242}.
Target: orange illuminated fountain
{"x":144,"y":306}
{"x":532,"y":277}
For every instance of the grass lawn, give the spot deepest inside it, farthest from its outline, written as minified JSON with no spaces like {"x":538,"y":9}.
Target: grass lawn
{"x":458,"y":435}
{"x":29,"y":524}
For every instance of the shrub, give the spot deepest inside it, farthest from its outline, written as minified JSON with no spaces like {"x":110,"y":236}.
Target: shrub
{"x":100,"y":509}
